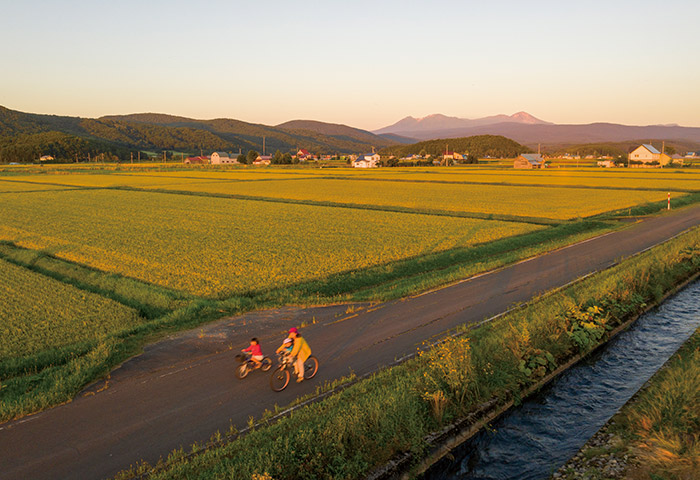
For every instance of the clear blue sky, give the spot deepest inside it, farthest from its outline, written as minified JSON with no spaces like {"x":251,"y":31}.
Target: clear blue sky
{"x":361,"y":63}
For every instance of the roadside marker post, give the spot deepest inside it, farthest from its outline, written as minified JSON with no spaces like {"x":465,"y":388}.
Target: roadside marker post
{"x":669,"y":201}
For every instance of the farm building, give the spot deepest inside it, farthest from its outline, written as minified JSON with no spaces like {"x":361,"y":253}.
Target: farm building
{"x":219,"y":158}
{"x":647,"y":154}
{"x":368,"y":160}
{"x":529,"y":161}
{"x":196,"y":161}
{"x":452,"y":156}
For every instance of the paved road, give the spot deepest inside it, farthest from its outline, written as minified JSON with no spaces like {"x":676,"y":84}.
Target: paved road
{"x":183,"y":389}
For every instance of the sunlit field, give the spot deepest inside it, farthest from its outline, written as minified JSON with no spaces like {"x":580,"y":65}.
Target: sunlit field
{"x":218,"y":246}
{"x":39,"y":312}
{"x":525,"y":201}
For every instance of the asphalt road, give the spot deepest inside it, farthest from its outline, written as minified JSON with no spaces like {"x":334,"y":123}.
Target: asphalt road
{"x":183,"y":389}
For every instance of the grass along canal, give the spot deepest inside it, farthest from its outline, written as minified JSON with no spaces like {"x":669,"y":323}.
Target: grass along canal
{"x":533,"y":440}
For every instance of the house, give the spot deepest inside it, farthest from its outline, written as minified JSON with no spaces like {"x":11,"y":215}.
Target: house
{"x":196,"y":160}
{"x":303,"y":155}
{"x":606,"y":163}
{"x":529,"y":161}
{"x":263,"y":160}
{"x":368,"y":160}
{"x":46,"y":158}
{"x":646,"y":154}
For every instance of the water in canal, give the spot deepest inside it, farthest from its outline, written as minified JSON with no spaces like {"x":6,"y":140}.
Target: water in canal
{"x":535,"y":439}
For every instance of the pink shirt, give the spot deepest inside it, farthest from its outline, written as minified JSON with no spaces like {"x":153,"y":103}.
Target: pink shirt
{"x":254,"y":349}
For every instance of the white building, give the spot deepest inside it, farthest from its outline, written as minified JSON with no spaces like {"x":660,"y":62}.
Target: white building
{"x":219,"y":158}
{"x":646,"y":153}
{"x":368,"y":160}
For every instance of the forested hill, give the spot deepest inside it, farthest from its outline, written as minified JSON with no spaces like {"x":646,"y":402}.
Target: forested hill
{"x":479,"y":146}
{"x":23,"y":136}
{"x":318,"y":137}
{"x":337,"y":131}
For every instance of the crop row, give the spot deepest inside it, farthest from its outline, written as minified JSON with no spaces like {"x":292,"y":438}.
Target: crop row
{"x":40,"y":313}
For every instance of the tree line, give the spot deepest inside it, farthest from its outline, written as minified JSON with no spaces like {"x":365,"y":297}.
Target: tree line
{"x":477,"y":146}
{"x":28,"y":148}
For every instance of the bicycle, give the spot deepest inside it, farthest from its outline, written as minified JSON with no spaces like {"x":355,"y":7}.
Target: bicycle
{"x":280,"y":375}
{"x":248,"y":365}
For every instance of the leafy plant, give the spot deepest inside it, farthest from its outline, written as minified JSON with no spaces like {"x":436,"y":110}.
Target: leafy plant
{"x":537,"y":363}
{"x":587,"y":327}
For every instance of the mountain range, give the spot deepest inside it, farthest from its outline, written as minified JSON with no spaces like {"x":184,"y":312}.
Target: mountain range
{"x":529,"y":130}
{"x":411,"y":126}
{"x":26,"y":136}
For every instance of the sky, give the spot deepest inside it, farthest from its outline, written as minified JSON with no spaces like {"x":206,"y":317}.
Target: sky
{"x":366,"y":64}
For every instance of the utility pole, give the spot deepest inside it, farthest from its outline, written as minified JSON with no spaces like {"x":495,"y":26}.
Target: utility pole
{"x":263,"y":144}
{"x":132,"y":157}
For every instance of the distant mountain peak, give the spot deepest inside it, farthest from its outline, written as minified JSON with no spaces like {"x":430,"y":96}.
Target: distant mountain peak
{"x":438,"y":121}
{"x":433,"y":116}
{"x":524,"y":117}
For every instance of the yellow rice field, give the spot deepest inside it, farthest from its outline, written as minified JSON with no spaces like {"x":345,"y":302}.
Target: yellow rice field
{"x":38,"y":312}
{"x":667,"y":180}
{"x":218,"y":246}
{"x":525,"y":201}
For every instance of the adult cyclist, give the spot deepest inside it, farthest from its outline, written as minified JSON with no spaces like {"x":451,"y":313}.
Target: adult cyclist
{"x":301,"y":351}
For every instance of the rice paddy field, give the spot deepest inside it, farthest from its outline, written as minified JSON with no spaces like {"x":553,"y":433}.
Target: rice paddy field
{"x":39,"y":313}
{"x":161,"y":249}
{"x":216,"y":246}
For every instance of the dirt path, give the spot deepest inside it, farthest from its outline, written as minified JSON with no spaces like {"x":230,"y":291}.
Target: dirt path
{"x":183,"y":389}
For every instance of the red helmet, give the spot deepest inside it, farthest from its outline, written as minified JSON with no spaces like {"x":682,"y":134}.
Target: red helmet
{"x":294,"y":330}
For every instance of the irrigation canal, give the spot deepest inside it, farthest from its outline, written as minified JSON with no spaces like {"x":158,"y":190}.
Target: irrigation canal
{"x":534,"y":440}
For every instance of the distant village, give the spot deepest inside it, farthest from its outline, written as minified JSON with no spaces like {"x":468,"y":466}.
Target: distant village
{"x":644,"y":156}
{"x":366,"y":160}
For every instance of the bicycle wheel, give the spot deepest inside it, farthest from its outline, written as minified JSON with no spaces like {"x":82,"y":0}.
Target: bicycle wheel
{"x":266,"y":364}
{"x":279,"y":379}
{"x":310,"y":367}
{"x":242,"y":371}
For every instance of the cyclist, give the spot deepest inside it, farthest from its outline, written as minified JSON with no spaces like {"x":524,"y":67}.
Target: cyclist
{"x":286,"y":347}
{"x":255,"y":352}
{"x":301,"y":351}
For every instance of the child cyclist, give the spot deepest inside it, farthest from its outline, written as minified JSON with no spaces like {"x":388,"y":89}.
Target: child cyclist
{"x":255,"y":352}
{"x":286,"y":347}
